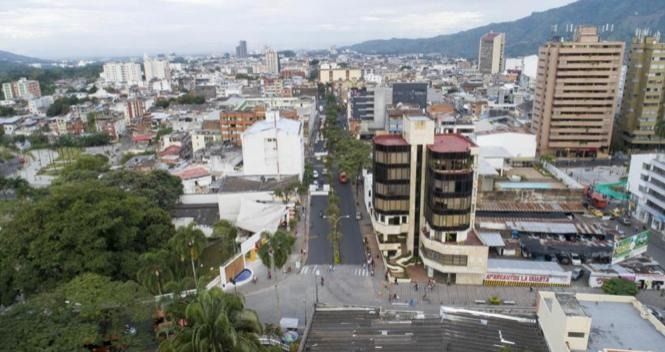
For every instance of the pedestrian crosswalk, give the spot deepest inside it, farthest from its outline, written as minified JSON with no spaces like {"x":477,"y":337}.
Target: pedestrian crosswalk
{"x":355,"y":270}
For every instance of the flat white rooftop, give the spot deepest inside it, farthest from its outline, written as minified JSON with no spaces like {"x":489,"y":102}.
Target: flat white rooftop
{"x":619,"y":325}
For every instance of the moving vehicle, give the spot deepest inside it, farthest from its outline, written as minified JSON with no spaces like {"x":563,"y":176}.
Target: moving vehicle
{"x":625,"y":221}
{"x":656,"y":313}
{"x":358,"y":215}
{"x":343,"y":178}
{"x":315,"y":174}
{"x":597,"y":213}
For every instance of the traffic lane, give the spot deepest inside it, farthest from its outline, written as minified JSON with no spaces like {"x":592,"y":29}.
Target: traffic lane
{"x":351,"y":245}
{"x":319,"y":245}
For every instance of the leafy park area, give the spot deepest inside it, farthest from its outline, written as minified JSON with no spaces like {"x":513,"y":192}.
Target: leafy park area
{"x":82,"y":260}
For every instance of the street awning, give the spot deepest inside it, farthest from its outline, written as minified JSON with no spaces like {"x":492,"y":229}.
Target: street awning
{"x":491,"y":239}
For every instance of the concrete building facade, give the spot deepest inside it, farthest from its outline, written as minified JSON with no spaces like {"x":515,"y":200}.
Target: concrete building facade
{"x":241,"y":49}
{"x":646,"y":184}
{"x":644,"y":94}
{"x":156,"y":69}
{"x":491,"y":59}
{"x":576,"y":95}
{"x":411,"y":93}
{"x":272,"y":62}
{"x":423,"y":200}
{"x":274,"y":147}
{"x":331,"y":73}
{"x":21,"y":89}
{"x":122,"y":72}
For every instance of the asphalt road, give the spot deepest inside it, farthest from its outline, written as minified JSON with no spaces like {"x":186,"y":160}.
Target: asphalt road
{"x":319,"y":245}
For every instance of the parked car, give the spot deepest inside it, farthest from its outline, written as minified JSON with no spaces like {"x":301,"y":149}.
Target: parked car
{"x":597,"y":213}
{"x":315,"y":174}
{"x":575,"y":259}
{"x":577,"y":274}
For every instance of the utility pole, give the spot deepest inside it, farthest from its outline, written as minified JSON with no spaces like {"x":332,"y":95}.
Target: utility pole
{"x":191,"y":257}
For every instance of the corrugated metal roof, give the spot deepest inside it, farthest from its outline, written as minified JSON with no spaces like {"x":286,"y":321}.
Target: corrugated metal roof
{"x":542,"y":227}
{"x":491,"y":239}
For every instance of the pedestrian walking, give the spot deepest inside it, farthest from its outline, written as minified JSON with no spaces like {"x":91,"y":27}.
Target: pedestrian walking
{"x":396,"y":281}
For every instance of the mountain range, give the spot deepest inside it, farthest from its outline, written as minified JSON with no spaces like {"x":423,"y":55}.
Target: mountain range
{"x":618,"y":20}
{"x":7,"y":57}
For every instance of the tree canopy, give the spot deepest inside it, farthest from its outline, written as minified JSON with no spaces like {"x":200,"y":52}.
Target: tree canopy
{"x":77,"y":228}
{"x":90,"y":310}
{"x":281,"y":243}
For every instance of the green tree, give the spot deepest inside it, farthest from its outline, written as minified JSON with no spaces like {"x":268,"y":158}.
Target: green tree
{"x":85,"y":167}
{"x":281,"y":244}
{"x":154,"y":270}
{"x":90,"y":310}
{"x":217,"y":322}
{"x":77,"y":228}
{"x":227,"y":233}
{"x":188,"y":243}
{"x":619,"y":286}
{"x":91,"y":122}
{"x":158,"y":186}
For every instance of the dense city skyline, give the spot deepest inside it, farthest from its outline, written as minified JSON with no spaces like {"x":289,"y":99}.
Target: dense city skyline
{"x":76,"y":28}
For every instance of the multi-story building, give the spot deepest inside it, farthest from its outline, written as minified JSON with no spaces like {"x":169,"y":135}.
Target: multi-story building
{"x":644,"y":94}
{"x":576,"y":95}
{"x":410,"y":93}
{"x":122,"y":72}
{"x":491,"y":59}
{"x":369,"y":106}
{"x":646,"y":184}
{"x":241,"y":49}
{"x":234,"y":123}
{"x":423,"y":200}
{"x":272,"y":62}
{"x":156,"y":69}
{"x":21,"y":89}
{"x":274,"y":147}
{"x":135,"y":109}
{"x":331,"y":73}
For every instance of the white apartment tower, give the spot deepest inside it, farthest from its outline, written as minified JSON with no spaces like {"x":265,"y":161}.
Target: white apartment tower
{"x":156,"y":69}
{"x":123,"y":72}
{"x":272,"y":62}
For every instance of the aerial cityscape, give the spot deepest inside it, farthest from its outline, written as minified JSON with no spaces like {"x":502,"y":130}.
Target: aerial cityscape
{"x":238,"y":176}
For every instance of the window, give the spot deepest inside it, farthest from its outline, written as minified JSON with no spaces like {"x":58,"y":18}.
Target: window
{"x":451,"y":237}
{"x":579,"y":335}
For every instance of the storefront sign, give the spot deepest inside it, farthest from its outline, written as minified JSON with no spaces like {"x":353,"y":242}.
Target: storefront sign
{"x":526,"y":278}
{"x":630,"y":247}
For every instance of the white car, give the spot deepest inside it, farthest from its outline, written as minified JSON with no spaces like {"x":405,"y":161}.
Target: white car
{"x":575,"y":259}
{"x":315,"y":174}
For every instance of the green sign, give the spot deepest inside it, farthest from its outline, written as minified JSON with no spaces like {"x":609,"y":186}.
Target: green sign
{"x":630,"y":247}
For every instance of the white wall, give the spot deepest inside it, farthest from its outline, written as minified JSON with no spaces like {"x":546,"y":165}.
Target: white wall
{"x":636,"y":162}
{"x":522,"y":145}
{"x":264,"y":156}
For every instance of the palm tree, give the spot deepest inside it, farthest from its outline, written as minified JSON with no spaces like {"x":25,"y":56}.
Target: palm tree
{"x":281,"y":245}
{"x":189,"y":242}
{"x":217,"y":322}
{"x":155,"y":271}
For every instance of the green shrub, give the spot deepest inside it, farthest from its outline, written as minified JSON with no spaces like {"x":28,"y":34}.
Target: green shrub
{"x":494,"y":300}
{"x":621,"y":287}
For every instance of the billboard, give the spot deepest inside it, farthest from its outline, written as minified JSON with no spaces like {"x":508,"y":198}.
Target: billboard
{"x":630,"y":246}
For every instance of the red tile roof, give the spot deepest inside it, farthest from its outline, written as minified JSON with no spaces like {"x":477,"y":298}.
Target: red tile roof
{"x":170,"y":150}
{"x":451,"y":143}
{"x":390,"y":139}
{"x":193,"y":172}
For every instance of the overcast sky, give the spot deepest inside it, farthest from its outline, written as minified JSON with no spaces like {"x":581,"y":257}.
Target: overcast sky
{"x":83,"y":28}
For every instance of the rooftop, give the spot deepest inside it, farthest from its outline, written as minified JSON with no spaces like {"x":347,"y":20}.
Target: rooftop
{"x":390,"y":140}
{"x":451,"y":143}
{"x":370,"y":329}
{"x":619,"y":325}
{"x":490,"y":36}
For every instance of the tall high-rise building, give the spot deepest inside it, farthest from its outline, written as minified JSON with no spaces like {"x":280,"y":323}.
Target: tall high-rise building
{"x":272,"y":62}
{"x":241,"y":49}
{"x":576,"y":95}
{"x":644,"y":94}
{"x":21,"y":89}
{"x":122,"y":72}
{"x":423,"y":200}
{"x":491,"y":57}
{"x":156,"y":69}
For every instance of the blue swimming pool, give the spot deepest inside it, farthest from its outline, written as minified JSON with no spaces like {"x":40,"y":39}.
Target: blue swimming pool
{"x":524,"y":185}
{"x":242,"y":276}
